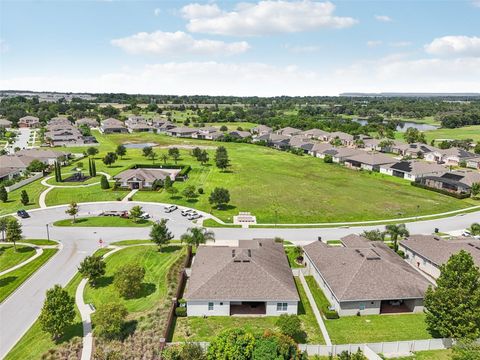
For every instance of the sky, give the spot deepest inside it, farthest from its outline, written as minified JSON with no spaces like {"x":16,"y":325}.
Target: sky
{"x":244,"y":48}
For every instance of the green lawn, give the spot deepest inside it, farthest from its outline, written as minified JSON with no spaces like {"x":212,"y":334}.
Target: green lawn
{"x":35,"y":342}
{"x":11,"y":281}
{"x":65,"y":175}
{"x":275,"y":186}
{"x":429,"y":355}
{"x":320,"y":299}
{"x":213,"y":224}
{"x":137,"y":242}
{"x":467,"y":132}
{"x":377,"y":328}
{"x":156,"y":265}
{"x":103,"y":221}
{"x":205,"y":329}
{"x":290,"y":251}
{"x":40,"y":242}
{"x":9,"y":257}
{"x":13,"y":204}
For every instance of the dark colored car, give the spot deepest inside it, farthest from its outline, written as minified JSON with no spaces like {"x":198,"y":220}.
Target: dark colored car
{"x":23,"y":214}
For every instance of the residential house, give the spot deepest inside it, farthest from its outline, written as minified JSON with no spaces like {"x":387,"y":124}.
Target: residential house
{"x":428,"y":252}
{"x":414,"y":150}
{"x":207,"y":133}
{"x":474,"y":163}
{"x":29,"y":122}
{"x":365,"y":278}
{"x":184,"y":132}
{"x":452,"y":157}
{"x":143,"y":178}
{"x":16,"y":164}
{"x":458,"y":182}
{"x":5,"y":124}
{"x":238,"y":134}
{"x":63,"y":134}
{"x":368,"y":161}
{"x":163,"y":126}
{"x":288,"y":131}
{"x":340,"y":154}
{"x":261,"y":130}
{"x":48,"y":157}
{"x":59,"y":121}
{"x":91,"y":123}
{"x":344,"y":138}
{"x":8,"y":173}
{"x":316,"y":134}
{"x":253,"y":278}
{"x":138,"y":124}
{"x":319,"y":149}
{"x":412,"y":169}
{"x":112,"y":126}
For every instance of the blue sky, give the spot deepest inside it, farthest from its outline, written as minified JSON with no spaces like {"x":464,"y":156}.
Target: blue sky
{"x":281,"y":47}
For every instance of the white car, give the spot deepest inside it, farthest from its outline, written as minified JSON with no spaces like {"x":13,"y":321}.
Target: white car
{"x":194,"y":216}
{"x":169,"y":209}
{"x":187,"y":212}
{"x":145,"y":216}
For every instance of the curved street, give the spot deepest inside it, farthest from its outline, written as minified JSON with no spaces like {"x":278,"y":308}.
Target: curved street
{"x":78,"y":242}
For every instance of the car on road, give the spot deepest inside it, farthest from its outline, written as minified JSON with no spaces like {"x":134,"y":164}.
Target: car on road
{"x":169,"y":209}
{"x":23,"y":214}
{"x":194,"y":216}
{"x":187,"y":212}
{"x":145,"y":216}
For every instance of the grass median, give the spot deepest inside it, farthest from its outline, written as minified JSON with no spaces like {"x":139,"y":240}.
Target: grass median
{"x":103,"y":221}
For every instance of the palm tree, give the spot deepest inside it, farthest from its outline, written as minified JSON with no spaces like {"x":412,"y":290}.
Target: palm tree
{"x":475,"y":229}
{"x":396,"y":231}
{"x":196,"y":236}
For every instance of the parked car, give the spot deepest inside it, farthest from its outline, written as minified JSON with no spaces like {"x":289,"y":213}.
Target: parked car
{"x":194,"y":216}
{"x":169,"y":209}
{"x":186,"y":212}
{"x":145,"y":216}
{"x":23,"y":214}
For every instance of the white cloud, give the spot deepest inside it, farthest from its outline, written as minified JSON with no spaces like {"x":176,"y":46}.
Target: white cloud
{"x":393,"y":73}
{"x":264,"y":17}
{"x":176,"y":44}
{"x":400,"y":43}
{"x":454,"y":45}
{"x":157,"y":11}
{"x":374,"y":43}
{"x":383,"y":18}
{"x":301,"y":49}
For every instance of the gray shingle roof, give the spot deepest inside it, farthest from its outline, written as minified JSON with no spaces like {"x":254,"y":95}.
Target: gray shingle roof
{"x":254,"y":271}
{"x":367,"y":273}
{"x":438,"y":250}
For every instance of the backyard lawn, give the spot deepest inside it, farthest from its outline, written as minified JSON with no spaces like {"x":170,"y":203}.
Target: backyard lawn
{"x":205,"y":329}
{"x":275,"y":186}
{"x":13,"y":204}
{"x":156,"y":265}
{"x":12,"y":280}
{"x":9,"y":257}
{"x":103,"y":221}
{"x":291,"y":255}
{"x":429,"y":355}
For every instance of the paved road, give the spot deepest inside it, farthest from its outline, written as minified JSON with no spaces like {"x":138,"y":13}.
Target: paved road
{"x":21,"y":140}
{"x":79,"y":242}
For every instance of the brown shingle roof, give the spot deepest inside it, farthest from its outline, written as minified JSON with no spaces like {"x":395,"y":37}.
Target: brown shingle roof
{"x":366,"y":274}
{"x":438,"y":250}
{"x":257,"y":271}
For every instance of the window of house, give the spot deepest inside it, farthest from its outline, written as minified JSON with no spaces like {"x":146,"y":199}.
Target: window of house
{"x":282,"y":306}
{"x":361,"y":306}
{"x":210,"y":306}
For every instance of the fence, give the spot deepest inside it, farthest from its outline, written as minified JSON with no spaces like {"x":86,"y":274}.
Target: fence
{"x":171,"y":311}
{"x":24,"y":182}
{"x":396,"y":347}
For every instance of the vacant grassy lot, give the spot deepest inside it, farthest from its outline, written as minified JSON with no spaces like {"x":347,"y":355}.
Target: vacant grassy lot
{"x":13,"y":204}
{"x":103,"y":221}
{"x":275,"y":186}
{"x":156,"y":265}
{"x":9,"y":282}
{"x":205,"y":329}
{"x":9,"y":257}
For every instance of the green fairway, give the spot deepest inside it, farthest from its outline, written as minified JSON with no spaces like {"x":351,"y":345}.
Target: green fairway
{"x":35,"y":342}
{"x":103,"y":221}
{"x":13,"y":204}
{"x":11,"y":281}
{"x":9,"y":257}
{"x":205,"y":329}
{"x":156,"y":265}
{"x":467,"y":132}
{"x":275,"y":186}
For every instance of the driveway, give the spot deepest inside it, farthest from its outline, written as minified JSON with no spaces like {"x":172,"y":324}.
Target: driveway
{"x":21,"y":140}
{"x":78,"y":242}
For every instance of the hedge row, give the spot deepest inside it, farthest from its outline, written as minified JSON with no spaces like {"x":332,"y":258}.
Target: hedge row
{"x":441,"y":191}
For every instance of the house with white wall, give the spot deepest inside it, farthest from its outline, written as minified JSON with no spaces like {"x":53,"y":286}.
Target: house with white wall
{"x":253,"y":278}
{"x":365,"y":277}
{"x":428,"y":252}
{"x":412,"y":169}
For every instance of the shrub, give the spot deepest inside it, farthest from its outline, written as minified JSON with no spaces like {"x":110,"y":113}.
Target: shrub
{"x":181,"y":311}
{"x":200,"y":191}
{"x":441,"y":191}
{"x":104,"y":183}
{"x":109,"y":319}
{"x":330,"y":314}
{"x":289,"y":325}
{"x":328,"y":159}
{"x":128,"y":280}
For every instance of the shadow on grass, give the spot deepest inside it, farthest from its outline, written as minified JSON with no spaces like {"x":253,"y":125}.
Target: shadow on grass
{"x":25,"y":249}
{"x":226,"y":207}
{"x":71,"y":331}
{"x":104,"y":281}
{"x":192,"y":201}
{"x":170,"y":248}
{"x":146,"y":289}
{"x":301,"y":337}
{"x":80,"y":220}
{"x":7,"y":280}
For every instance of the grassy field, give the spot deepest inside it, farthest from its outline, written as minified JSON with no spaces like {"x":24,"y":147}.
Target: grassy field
{"x":11,"y":281}
{"x":429,"y":355}
{"x":13,"y":204}
{"x":9,"y":257}
{"x":205,"y":329}
{"x":91,"y":180}
{"x":103,"y":221}
{"x":35,"y":342}
{"x":467,"y":132}
{"x":156,"y":265}
{"x":275,"y":186}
